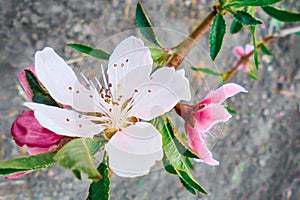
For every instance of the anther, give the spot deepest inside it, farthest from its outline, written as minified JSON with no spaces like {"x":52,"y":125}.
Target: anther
{"x":122,"y":65}
{"x":126,"y":60}
{"x":67,"y":119}
{"x":149,"y":91}
{"x":80,"y":125}
{"x":115,"y":65}
{"x":135,"y":90}
{"x":70,"y":88}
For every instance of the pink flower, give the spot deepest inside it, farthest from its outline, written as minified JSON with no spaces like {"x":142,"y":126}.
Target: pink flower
{"x":209,"y":112}
{"x":27,"y":131}
{"x":24,"y":82}
{"x":240,"y":52}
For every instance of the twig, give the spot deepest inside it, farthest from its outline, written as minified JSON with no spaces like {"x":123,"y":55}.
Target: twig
{"x":183,"y":48}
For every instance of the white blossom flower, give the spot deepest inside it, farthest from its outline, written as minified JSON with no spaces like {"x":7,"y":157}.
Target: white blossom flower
{"x":117,"y":108}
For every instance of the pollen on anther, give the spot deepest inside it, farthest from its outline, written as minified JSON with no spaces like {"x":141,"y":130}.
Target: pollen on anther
{"x":70,"y":88}
{"x":77,"y":91}
{"x":149,"y":91}
{"x":126,"y":60}
{"x":109,"y":85}
{"x":135,"y":90}
{"x":115,"y":65}
{"x":80,"y":125}
{"x":67,"y":119}
{"x":110,"y":110}
{"x":91,"y":96}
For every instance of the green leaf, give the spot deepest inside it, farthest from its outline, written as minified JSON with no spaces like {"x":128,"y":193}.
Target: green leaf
{"x":159,"y":56}
{"x":145,"y":25}
{"x":168,"y":166}
{"x":27,"y":163}
{"x":173,"y":155}
{"x":245,"y":18}
{"x":181,"y":145}
{"x":77,"y":173}
{"x":265,"y":49}
{"x":99,"y":190}
{"x":170,"y":169}
{"x":77,"y":155}
{"x":256,"y":59}
{"x":97,"y":53}
{"x":242,"y":3}
{"x":252,"y":74}
{"x":207,"y":71}
{"x":216,"y":36}
{"x":230,"y":110}
{"x":281,"y":15}
{"x":235,"y":27}
{"x":40,"y":94}
{"x":189,"y":162}
{"x":188,"y":187}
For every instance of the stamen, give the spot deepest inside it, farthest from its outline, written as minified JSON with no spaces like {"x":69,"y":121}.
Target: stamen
{"x":70,"y":88}
{"x":104,"y":78}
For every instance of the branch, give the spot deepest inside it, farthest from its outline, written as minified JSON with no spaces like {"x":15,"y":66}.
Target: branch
{"x":183,"y":48}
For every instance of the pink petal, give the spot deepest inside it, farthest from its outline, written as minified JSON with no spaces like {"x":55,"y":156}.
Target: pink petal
{"x":238,"y":51}
{"x":210,"y":115}
{"x":38,"y":150}
{"x":24,"y":83}
{"x":219,"y":95}
{"x":26,"y":130}
{"x":17,"y":175}
{"x":197,"y":142}
{"x":249,"y":48}
{"x":134,"y":150}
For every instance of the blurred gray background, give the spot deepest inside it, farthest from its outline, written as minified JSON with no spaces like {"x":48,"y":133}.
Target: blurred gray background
{"x":258,"y":150}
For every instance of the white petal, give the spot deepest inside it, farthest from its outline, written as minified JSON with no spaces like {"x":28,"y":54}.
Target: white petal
{"x":61,"y":81}
{"x":64,"y":122}
{"x":127,"y":56}
{"x":165,"y":89}
{"x":134,"y":150}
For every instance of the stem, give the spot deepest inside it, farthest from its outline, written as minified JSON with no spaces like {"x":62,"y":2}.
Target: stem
{"x":183,"y":48}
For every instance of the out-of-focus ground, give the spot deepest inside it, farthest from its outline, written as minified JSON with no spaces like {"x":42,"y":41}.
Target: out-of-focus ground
{"x":258,"y":150}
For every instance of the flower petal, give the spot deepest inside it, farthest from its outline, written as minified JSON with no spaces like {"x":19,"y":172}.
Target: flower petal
{"x":197,"y":142}
{"x":249,"y":48}
{"x":24,"y":83}
{"x":134,"y":150}
{"x":238,"y":51}
{"x":127,"y":56}
{"x":61,"y":81}
{"x":26,"y":130}
{"x":165,"y":89}
{"x":64,"y":122}
{"x":222,"y":93}
{"x":17,"y":175}
{"x":209,"y":116}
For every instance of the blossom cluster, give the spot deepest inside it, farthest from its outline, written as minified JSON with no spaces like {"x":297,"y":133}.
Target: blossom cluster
{"x":119,"y":107}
